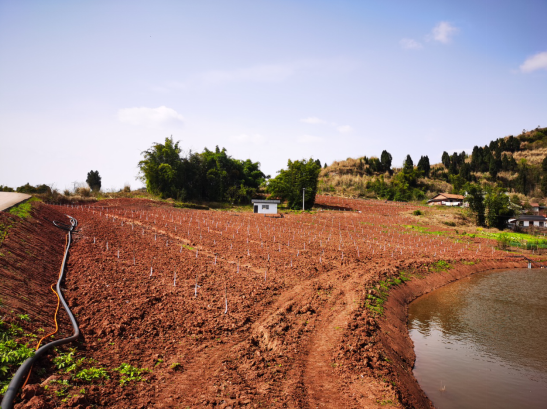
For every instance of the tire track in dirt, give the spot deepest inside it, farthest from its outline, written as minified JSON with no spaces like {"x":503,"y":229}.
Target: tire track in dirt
{"x":321,"y":383}
{"x":324,"y":387}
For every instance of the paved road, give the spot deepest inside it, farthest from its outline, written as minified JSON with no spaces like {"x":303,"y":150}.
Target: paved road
{"x":8,"y":199}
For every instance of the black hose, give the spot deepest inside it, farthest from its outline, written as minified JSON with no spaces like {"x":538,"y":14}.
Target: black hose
{"x":18,"y":378}
{"x":530,"y":260}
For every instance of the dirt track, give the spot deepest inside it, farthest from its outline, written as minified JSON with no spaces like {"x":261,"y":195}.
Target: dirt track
{"x":297,"y":332}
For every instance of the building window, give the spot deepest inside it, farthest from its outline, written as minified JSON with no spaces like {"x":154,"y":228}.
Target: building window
{"x":541,"y":224}
{"x":265,"y":207}
{"x":521,"y":223}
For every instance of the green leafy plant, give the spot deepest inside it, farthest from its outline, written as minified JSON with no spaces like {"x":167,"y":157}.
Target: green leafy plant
{"x":24,"y":317}
{"x":417,"y":212}
{"x":92,"y":374}
{"x":130,"y":373}
{"x":12,"y":353}
{"x":66,"y":360}
{"x":441,"y":265}
{"x":375,"y":301}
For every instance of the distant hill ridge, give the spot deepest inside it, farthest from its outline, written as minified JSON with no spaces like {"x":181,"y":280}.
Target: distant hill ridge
{"x":516,"y":163}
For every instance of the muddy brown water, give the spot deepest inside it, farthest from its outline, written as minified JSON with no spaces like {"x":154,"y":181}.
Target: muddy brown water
{"x":481,"y":342}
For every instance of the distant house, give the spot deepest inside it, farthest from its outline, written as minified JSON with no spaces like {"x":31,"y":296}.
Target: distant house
{"x":446,"y":199}
{"x":528,"y":221}
{"x":265,"y":206}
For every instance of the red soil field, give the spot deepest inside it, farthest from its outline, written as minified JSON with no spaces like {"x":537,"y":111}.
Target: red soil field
{"x":241,"y":310}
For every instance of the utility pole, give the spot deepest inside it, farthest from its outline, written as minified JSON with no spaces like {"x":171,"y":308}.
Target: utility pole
{"x":303,"y":197}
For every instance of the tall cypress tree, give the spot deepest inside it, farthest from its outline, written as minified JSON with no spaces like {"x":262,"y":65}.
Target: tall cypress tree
{"x":424,"y":166}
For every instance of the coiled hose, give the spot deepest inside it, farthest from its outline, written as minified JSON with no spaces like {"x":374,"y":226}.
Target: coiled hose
{"x":19,"y":377}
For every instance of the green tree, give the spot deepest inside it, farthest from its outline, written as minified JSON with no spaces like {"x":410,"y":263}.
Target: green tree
{"x":493,"y":169}
{"x":445,"y":159}
{"x":408,"y":164}
{"x":289,"y":183}
{"x":458,"y":184}
{"x":522,"y":180}
{"x":476,"y":202}
{"x":94,"y":180}
{"x":496,"y":204}
{"x":210,"y":175}
{"x":424,"y":166}
{"x":29,"y":189}
{"x":544,"y":176}
{"x":385,"y":161}
{"x":161,"y":168}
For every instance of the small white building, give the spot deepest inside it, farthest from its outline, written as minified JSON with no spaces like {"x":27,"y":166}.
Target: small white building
{"x":528,"y":221}
{"x":265,"y":206}
{"x":446,"y":199}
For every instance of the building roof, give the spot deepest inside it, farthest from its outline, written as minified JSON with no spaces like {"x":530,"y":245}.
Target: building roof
{"x":530,"y":218}
{"x":442,"y":196}
{"x":266,"y":201}
{"x":534,"y":204}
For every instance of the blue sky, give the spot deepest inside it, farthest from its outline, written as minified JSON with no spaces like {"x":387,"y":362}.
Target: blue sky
{"x":89,"y":85}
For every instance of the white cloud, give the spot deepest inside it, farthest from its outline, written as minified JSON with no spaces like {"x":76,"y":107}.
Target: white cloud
{"x":344,"y":129}
{"x":410,"y":44}
{"x":309,"y":139}
{"x":535,"y":62}
{"x":443,"y":32}
{"x":255,"y":139}
{"x":313,"y":120}
{"x":161,"y":117}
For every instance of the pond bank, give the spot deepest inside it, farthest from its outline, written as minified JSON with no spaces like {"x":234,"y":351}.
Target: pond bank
{"x":393,"y":333}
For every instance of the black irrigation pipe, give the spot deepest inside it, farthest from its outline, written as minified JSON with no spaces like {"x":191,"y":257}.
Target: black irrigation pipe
{"x":530,"y":261}
{"x":18,"y":378}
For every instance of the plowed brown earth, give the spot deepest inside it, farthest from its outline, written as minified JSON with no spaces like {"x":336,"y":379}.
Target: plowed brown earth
{"x":236,"y":310}
{"x":30,"y":258}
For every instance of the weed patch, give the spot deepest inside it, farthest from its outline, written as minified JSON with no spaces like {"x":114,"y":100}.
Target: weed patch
{"x":375,"y":300}
{"x":23,"y":210}
{"x":12,"y":353}
{"x":441,"y":265}
{"x":92,"y":374}
{"x":130,"y":373}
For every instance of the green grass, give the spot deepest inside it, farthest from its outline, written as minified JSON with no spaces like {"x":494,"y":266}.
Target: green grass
{"x":24,"y":209}
{"x":514,"y":239}
{"x":425,"y":230}
{"x":375,"y":302}
{"x":441,"y":265}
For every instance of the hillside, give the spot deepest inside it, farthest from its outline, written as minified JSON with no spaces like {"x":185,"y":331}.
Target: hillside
{"x":515,"y":163}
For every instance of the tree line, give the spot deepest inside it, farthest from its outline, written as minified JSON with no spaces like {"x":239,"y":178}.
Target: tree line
{"x":208,"y":176}
{"x":215,"y":176}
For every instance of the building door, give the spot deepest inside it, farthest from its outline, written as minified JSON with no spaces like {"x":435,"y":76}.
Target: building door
{"x":256,"y":208}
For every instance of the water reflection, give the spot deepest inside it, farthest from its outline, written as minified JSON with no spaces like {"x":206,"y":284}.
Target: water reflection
{"x":482,"y":340}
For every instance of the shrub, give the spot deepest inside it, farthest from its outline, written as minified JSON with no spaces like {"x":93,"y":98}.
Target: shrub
{"x":503,"y":241}
{"x":84,"y":191}
{"x":417,"y":213}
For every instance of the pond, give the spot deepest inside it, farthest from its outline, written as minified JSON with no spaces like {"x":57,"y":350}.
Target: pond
{"x":481,"y":342}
